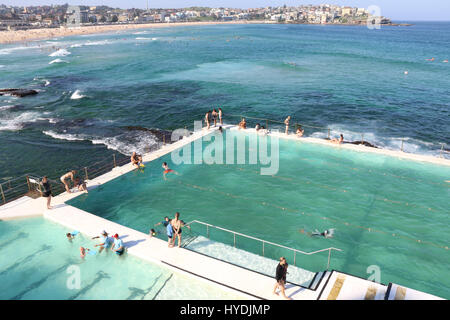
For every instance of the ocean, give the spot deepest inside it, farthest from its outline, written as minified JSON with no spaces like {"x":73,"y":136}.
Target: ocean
{"x":99,"y":93}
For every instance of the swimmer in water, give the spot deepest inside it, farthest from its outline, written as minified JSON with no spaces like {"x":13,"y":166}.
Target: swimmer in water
{"x":432,"y":59}
{"x":445,"y":61}
{"x":152,"y":233}
{"x":326,"y":234}
{"x":167,"y":170}
{"x":83,"y":252}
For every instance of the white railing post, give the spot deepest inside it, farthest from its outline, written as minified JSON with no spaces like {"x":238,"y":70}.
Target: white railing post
{"x":329,"y":257}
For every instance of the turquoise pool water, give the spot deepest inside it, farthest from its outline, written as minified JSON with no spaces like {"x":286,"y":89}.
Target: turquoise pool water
{"x":380,"y":207}
{"x":37,"y":262}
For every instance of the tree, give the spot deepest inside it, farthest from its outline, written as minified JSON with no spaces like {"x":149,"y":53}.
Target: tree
{"x":103,"y":19}
{"x":114,"y":18}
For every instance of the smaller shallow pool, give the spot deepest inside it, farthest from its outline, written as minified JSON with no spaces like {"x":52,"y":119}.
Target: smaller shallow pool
{"x":38,"y":262}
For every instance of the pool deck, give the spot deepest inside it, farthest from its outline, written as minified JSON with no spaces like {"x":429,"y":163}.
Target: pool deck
{"x":331,"y":285}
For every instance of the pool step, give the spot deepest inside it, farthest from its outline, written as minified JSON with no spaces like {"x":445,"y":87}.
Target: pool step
{"x":396,"y":292}
{"x":251,"y":261}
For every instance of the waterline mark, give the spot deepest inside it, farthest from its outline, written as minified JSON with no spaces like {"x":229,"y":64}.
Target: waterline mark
{"x":239,"y":148}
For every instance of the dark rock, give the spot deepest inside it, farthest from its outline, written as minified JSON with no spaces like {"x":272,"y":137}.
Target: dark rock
{"x":365,"y":143}
{"x":18,"y":92}
{"x":162,"y":135}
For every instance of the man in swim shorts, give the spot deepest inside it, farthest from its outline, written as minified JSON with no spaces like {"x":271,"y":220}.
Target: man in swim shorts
{"x":286,"y":122}
{"x":118,"y":247}
{"x":69,"y":175}
{"x":47,"y":193}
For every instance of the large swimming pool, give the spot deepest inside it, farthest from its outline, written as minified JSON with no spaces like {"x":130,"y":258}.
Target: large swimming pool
{"x":388,"y":212}
{"x":38,"y":262}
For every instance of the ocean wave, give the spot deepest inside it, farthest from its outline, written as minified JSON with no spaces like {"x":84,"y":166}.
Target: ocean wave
{"x":57,"y":61}
{"x":125,"y":143}
{"x":65,"y":136}
{"x":60,"y":53}
{"x":6,"y":51}
{"x":11,"y":123}
{"x":7,"y":107}
{"x":76,"y":95}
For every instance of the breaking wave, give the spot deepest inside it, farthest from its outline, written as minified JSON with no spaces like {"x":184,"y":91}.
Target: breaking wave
{"x":77,"y":95}
{"x":60,"y":53}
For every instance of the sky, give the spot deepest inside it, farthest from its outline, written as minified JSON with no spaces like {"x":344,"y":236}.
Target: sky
{"x":401,"y":10}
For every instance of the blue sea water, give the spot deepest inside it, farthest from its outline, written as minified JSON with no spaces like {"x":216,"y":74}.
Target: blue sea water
{"x":94,"y":87}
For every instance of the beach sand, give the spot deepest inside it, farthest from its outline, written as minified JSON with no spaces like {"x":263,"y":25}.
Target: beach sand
{"x":48,"y":33}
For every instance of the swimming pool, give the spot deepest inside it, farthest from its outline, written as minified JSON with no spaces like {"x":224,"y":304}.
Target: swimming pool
{"x":388,"y":212}
{"x":41,"y":262}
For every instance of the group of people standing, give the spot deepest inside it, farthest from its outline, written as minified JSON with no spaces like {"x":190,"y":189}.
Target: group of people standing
{"x":173,"y":229}
{"x":214,"y":115}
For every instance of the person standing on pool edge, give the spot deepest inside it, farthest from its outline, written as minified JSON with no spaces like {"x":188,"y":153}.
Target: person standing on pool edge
{"x":280,"y":276}
{"x":176,"y":226}
{"x":47,"y":193}
{"x":118,"y":247}
{"x":286,"y":122}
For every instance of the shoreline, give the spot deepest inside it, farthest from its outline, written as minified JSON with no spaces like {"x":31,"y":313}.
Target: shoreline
{"x":18,"y":36}
{"x":9,"y":37}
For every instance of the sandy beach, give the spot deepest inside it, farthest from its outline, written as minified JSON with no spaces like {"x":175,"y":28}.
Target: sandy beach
{"x":47,"y":33}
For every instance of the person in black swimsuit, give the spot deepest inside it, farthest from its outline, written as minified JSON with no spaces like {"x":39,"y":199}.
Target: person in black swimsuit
{"x":176,"y":225}
{"x":280,"y":276}
{"x":47,"y":193}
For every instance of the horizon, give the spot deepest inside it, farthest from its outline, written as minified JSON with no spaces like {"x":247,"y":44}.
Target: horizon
{"x":413,"y":10}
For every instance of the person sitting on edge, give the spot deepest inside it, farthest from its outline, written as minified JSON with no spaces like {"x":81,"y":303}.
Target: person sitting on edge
{"x":300,"y":132}
{"x":243,"y":124}
{"x":136,"y":159}
{"x":214,"y":116}
{"x":69,"y":175}
{"x":80,"y":184}
{"x":220,"y":129}
{"x":118,"y":247}
{"x":341,"y":139}
{"x":105,"y":241}
{"x":47,"y":193}
{"x":286,"y":122}
{"x":257,"y":127}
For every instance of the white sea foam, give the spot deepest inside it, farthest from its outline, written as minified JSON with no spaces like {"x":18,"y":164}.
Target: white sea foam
{"x":57,"y":61}
{"x":77,"y":95}
{"x":124,"y":143}
{"x":65,"y":136}
{"x":60,"y":53}
{"x":6,"y":51}
{"x":6,"y":107}
{"x":12,"y":123}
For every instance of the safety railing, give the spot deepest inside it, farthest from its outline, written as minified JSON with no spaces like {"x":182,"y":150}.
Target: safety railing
{"x":271,"y":124}
{"x":264,"y":243}
{"x":29,"y":184}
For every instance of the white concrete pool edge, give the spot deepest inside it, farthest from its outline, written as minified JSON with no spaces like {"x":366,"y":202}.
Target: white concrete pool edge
{"x":354,"y":147}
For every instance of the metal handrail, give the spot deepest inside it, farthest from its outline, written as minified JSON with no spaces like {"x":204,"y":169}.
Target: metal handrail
{"x":265,"y":241}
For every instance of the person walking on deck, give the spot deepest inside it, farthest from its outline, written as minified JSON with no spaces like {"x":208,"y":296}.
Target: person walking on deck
{"x":69,"y":175}
{"x":280,"y":277}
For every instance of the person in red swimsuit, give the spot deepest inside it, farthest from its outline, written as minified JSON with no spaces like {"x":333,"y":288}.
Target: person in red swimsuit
{"x":167,"y":170}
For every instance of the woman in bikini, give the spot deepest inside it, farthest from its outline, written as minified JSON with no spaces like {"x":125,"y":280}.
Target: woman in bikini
{"x":207,"y":119}
{"x":341,"y":139}
{"x":214,"y":116}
